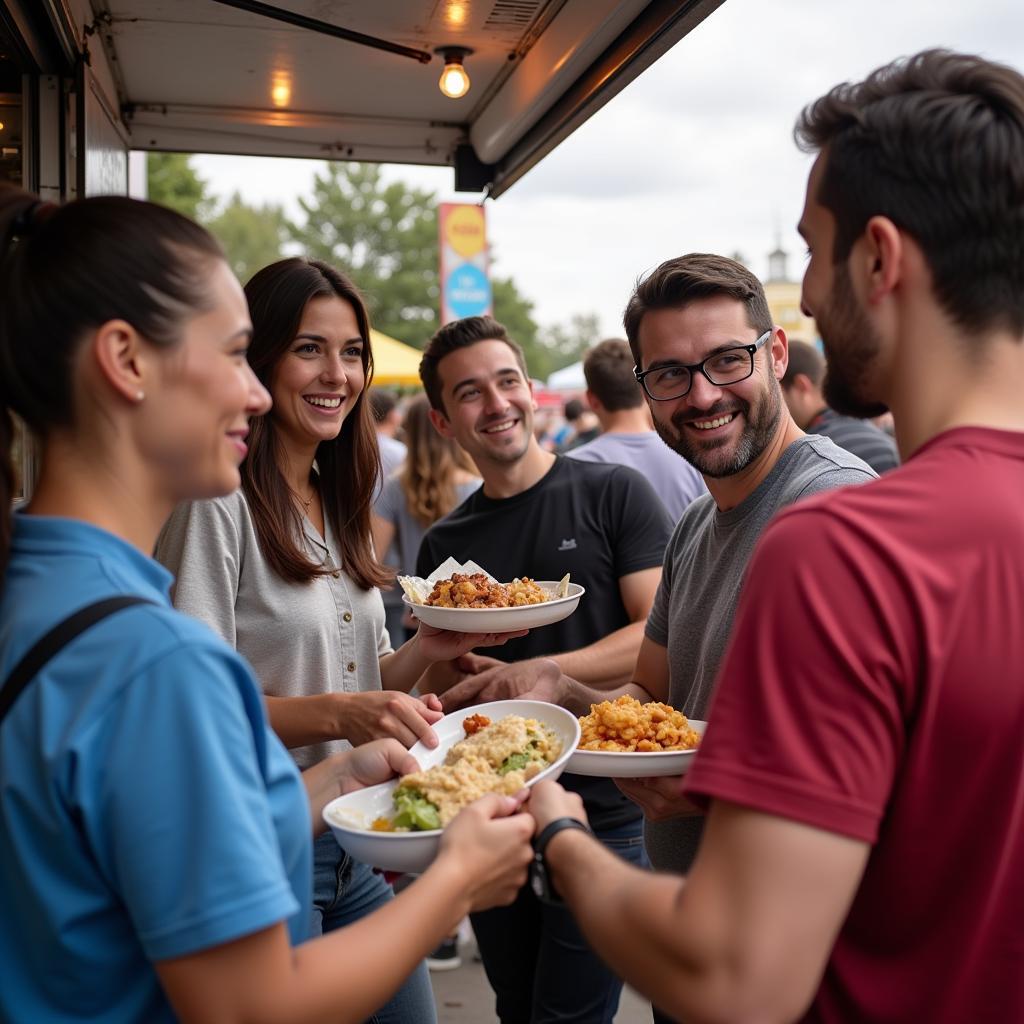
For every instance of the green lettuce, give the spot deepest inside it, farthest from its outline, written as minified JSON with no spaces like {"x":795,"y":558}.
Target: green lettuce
{"x":415,"y":811}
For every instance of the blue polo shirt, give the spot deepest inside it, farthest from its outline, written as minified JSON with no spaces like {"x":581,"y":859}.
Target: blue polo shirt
{"x":146,"y":809}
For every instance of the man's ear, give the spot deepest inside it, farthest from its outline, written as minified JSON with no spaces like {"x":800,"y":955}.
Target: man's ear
{"x":881,"y":260}
{"x":122,"y":359}
{"x":441,"y":424}
{"x":780,"y":352}
{"x":593,"y":401}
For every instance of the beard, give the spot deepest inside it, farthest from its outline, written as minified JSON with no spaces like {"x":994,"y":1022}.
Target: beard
{"x":851,"y":349}
{"x":717,"y":459}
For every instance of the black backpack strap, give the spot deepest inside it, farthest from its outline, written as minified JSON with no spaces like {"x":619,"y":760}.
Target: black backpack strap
{"x":61,"y":635}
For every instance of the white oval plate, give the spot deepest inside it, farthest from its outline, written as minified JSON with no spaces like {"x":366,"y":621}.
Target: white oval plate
{"x":610,"y":764}
{"x":349,"y":816}
{"x":500,"y":620}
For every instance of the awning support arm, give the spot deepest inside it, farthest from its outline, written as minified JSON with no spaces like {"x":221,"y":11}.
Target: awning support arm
{"x":325,"y":28}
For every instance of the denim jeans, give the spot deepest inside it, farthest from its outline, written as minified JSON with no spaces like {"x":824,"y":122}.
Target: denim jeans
{"x":344,"y":891}
{"x":537,"y":960}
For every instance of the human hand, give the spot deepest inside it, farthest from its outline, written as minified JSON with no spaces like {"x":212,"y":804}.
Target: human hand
{"x":490,"y":843}
{"x":371,"y":763}
{"x":382,"y":713}
{"x":659,"y":798}
{"x":535,"y":679}
{"x":445,"y":645}
{"x":549,"y":801}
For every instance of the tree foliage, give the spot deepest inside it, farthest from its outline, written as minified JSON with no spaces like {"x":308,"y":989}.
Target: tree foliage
{"x":384,"y":235}
{"x":252,"y":236}
{"x":172,"y":181}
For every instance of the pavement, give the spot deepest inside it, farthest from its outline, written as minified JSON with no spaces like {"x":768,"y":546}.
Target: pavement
{"x":464,"y":997}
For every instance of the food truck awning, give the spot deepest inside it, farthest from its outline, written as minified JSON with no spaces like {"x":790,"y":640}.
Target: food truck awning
{"x":229,"y":76}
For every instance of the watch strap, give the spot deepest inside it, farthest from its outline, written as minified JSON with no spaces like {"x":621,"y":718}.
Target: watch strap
{"x":552,"y":828}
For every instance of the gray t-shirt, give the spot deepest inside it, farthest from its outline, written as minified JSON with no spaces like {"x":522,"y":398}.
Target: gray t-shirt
{"x":700,"y":585}
{"x":674,"y":480}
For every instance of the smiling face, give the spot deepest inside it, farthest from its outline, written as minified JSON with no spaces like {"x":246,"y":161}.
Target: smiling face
{"x":719,"y":430}
{"x":488,"y":402}
{"x":852,"y":344}
{"x":321,"y":375}
{"x":194,"y":422}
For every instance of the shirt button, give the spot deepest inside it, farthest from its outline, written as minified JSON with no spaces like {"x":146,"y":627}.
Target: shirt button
{"x":335,"y":574}
{"x":351,"y":666}
{"x":347,"y":616}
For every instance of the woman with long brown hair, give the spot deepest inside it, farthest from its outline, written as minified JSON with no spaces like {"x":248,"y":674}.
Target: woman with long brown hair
{"x":284,"y":569}
{"x":154,"y":834}
{"x":436,"y":476}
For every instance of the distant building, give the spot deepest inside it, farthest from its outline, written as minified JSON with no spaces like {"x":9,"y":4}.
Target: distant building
{"x":784,"y":299}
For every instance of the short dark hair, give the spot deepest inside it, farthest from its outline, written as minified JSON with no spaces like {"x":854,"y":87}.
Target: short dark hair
{"x":572,"y":410}
{"x":934,"y":142}
{"x":461,"y":334}
{"x":806,"y":359}
{"x":690,"y":278}
{"x":608,"y":369}
{"x":382,"y":403}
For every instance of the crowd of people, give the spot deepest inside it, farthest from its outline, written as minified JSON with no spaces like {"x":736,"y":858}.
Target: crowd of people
{"x":200,"y":648}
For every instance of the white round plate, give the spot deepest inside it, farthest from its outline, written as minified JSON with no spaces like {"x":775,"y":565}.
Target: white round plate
{"x":500,"y":620}
{"x":610,"y":764}
{"x":349,"y":816}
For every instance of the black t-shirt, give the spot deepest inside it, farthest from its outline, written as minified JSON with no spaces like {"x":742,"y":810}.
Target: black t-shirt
{"x":597,"y":521}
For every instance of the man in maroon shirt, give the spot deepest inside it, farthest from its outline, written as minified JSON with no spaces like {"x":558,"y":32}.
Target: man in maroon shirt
{"x":864,"y":767}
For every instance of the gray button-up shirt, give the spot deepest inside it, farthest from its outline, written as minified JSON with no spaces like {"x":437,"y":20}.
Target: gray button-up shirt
{"x":302,"y":639}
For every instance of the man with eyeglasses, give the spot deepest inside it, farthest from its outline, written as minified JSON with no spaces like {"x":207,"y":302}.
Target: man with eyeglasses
{"x":709,"y":360}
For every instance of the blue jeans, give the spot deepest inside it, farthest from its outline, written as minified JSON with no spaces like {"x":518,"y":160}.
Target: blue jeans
{"x":537,"y":960}
{"x":345,"y":891}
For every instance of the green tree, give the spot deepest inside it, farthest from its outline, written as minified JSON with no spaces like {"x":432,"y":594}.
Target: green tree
{"x":172,"y":181}
{"x":252,"y":236}
{"x":515,"y":311}
{"x":385,"y":236}
{"x":566,"y":343}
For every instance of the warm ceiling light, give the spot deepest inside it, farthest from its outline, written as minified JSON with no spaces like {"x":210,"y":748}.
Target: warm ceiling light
{"x":281,"y":89}
{"x":455,"y":13}
{"x":454,"y":82}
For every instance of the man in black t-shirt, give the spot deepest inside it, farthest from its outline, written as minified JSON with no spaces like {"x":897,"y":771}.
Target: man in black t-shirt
{"x":542,"y":516}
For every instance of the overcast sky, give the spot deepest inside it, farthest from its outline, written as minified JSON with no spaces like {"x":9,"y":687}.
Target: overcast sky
{"x":695,"y":155}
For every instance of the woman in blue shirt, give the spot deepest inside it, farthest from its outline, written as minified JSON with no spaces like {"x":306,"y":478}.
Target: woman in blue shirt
{"x":155,"y":847}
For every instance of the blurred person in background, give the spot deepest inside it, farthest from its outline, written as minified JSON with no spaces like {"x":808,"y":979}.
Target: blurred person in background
{"x":627,"y":436}
{"x":802,"y":389}
{"x":582,"y":423}
{"x":387,"y":418}
{"x":436,"y":476}
{"x":284,"y":569}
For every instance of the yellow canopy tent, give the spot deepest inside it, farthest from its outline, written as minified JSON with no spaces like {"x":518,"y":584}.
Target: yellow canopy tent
{"x":395,"y":364}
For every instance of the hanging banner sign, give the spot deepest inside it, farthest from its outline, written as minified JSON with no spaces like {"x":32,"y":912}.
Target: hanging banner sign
{"x":465,"y":286}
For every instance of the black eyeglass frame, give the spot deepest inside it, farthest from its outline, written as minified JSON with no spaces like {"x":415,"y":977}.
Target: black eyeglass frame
{"x":695,"y":368}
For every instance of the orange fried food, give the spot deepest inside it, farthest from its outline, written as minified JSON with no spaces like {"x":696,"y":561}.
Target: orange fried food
{"x":627,"y":725}
{"x":461,"y":591}
{"x":477,"y":591}
{"x":474,"y":723}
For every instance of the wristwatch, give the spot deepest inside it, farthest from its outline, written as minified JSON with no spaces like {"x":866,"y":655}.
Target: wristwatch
{"x":540,"y":879}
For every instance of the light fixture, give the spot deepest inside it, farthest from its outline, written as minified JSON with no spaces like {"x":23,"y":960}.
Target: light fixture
{"x":281,"y":89}
{"x":454,"y":82}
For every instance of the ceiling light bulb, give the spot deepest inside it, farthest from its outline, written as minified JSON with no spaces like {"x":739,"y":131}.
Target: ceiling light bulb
{"x":454,"y":82}
{"x":281,"y":90}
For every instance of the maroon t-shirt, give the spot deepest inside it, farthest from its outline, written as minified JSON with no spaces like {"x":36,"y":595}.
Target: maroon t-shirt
{"x":875,"y":688}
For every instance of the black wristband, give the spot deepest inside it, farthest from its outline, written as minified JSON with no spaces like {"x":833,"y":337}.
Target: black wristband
{"x":540,"y":878}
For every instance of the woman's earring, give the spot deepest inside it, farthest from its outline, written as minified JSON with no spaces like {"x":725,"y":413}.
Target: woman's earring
{"x":139,"y":396}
